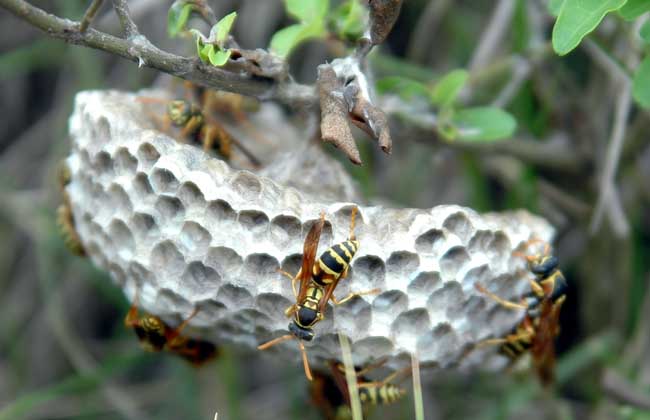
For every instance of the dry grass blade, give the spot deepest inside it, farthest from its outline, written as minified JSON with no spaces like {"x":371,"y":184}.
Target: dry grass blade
{"x":417,"y":388}
{"x":351,"y":378}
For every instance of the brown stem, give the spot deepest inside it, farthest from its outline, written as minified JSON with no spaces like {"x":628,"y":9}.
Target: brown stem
{"x":90,"y":15}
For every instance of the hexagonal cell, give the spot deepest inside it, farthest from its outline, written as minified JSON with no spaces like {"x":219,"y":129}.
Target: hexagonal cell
{"x":125,"y":162}
{"x":400,"y":266}
{"x":369,"y":272}
{"x":247,"y":185}
{"x":352,"y":317}
{"x":254,"y":221}
{"x":119,"y":200}
{"x":103,"y":164}
{"x":194,"y":238}
{"x":163,"y":181}
{"x":409,"y":325}
{"x":167,"y":258}
{"x":191,"y":196}
{"x":141,"y":185}
{"x":169,"y":208}
{"x":148,"y":155}
{"x":273,"y":305}
{"x":449,"y":296}
{"x":235,"y":297}
{"x":460,"y":225}
{"x":453,"y":261}
{"x":143,"y":225}
{"x":201,"y":280}
{"x":221,"y":211}
{"x":284,"y":229}
{"x":256,"y":267}
{"x":122,"y":235}
{"x":226,"y":261}
{"x":423,"y":286}
{"x":429,"y":241}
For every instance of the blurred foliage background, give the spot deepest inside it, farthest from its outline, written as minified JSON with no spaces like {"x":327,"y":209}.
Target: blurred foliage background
{"x":65,"y":354}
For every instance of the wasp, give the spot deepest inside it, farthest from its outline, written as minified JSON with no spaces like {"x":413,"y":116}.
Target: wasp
{"x":332,"y":396}
{"x":318,"y":278}
{"x":541,"y":324}
{"x":196,"y":126}
{"x":64,"y":216}
{"x":155,"y":335}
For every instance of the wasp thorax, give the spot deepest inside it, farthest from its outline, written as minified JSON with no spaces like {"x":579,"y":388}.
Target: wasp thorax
{"x":180,"y":112}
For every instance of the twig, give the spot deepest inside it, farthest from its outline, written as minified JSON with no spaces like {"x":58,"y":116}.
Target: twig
{"x":607,"y":194}
{"x":420,"y":40}
{"x":90,"y":15}
{"x":618,"y":388}
{"x":493,"y":34}
{"x":334,"y":126}
{"x":383,"y":15}
{"x":544,"y":154}
{"x":522,"y":69}
{"x":143,"y":52}
{"x":128,"y":25}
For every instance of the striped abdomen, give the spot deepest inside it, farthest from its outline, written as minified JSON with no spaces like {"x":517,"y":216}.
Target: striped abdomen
{"x":514,"y":349}
{"x":386,"y":394}
{"x":334,"y":262}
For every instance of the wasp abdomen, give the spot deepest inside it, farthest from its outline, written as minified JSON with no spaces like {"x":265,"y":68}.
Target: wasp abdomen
{"x":385,"y":394}
{"x":334,"y":261}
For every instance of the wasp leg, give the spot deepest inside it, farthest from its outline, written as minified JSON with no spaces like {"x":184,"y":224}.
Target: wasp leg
{"x":177,"y":331}
{"x":512,"y":338}
{"x":294,"y":279}
{"x":384,"y":381}
{"x":371,"y":367}
{"x":536,"y":288}
{"x":131,"y":318}
{"x":353,"y":295}
{"x":500,"y":301}
{"x":275,"y":341}
{"x":290,"y":310}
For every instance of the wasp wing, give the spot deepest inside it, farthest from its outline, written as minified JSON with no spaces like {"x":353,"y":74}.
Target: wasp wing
{"x":543,"y":346}
{"x":309,"y":256}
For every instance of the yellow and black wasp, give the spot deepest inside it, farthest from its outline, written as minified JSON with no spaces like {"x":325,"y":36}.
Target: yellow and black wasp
{"x":318,"y":279}
{"x":155,"y":335}
{"x":332,"y":396}
{"x":65,"y":218}
{"x":195,"y":125}
{"x":541,"y":325}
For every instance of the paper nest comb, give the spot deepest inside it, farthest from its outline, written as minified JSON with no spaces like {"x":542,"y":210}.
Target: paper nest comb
{"x":187,"y":231}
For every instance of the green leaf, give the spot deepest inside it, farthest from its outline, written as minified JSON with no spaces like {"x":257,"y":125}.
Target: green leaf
{"x":202,"y":49}
{"x":219,"y":32}
{"x":307,"y":11}
{"x":219,"y":57}
{"x":578,"y":18}
{"x":634,"y":8}
{"x":484,"y":124}
{"x":641,"y":84}
{"x":286,"y":39}
{"x":444,"y":93}
{"x":406,"y":88}
{"x":644,"y":32}
{"x":554,"y":7}
{"x":349,"y":20}
{"x":177,"y":17}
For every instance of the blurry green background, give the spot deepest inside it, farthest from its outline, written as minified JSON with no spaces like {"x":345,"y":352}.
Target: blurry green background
{"x":65,"y":354}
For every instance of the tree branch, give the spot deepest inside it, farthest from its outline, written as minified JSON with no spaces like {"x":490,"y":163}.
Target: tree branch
{"x":143,"y":52}
{"x":90,"y":15}
{"x":128,"y":25}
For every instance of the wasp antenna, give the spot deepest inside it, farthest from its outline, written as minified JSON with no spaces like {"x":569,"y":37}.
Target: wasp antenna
{"x":274,"y":342}
{"x":305,"y":361}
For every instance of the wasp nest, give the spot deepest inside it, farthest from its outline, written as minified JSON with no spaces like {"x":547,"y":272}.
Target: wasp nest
{"x":186,"y":230}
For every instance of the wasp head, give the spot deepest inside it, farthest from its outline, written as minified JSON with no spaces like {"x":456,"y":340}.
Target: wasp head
{"x":180,"y":112}
{"x":543,"y":265}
